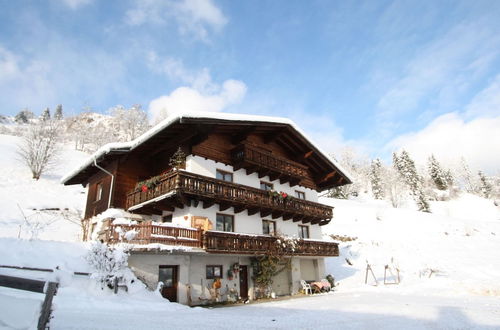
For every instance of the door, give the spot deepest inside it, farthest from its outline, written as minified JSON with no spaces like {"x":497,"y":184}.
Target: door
{"x":168,"y":276}
{"x":243,"y":282}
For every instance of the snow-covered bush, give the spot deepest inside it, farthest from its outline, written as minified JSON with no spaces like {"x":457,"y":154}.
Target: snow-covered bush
{"x":108,"y":263}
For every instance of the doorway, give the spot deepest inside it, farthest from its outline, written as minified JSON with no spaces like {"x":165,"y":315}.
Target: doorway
{"x":244,"y":282}
{"x":168,"y":276}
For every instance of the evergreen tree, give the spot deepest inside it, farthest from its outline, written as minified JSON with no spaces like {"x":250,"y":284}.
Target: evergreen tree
{"x":376,"y":180}
{"x":405,"y":166}
{"x":466,"y":175}
{"x":46,"y":114}
{"x":24,"y":116}
{"x":485,"y":188}
{"x":58,"y":114}
{"x":437,"y":174}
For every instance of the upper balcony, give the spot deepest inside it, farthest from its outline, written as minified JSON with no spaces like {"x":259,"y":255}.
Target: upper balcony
{"x":215,"y":241}
{"x":265,"y":163}
{"x":179,"y":188}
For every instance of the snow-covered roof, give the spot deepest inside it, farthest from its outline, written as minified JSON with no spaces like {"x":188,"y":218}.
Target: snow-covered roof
{"x":131,"y":145}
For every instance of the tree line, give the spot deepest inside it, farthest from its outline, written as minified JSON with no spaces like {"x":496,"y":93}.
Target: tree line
{"x":403,"y":180}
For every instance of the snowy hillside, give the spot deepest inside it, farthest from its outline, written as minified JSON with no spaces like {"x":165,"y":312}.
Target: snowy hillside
{"x":459,"y":243}
{"x":42,"y":209}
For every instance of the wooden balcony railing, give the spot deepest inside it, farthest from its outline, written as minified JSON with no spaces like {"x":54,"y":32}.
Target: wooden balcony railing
{"x":228,"y":194}
{"x":213,"y":241}
{"x":148,"y":233}
{"x":233,"y":243}
{"x":266,"y":163}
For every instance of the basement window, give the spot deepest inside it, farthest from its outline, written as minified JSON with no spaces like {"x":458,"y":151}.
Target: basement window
{"x":214,"y":272}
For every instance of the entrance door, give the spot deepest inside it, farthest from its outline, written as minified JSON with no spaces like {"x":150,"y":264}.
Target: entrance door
{"x":243,"y":282}
{"x":168,"y":276}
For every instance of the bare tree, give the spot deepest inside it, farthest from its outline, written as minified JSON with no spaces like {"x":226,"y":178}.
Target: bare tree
{"x":130,"y":122}
{"x":38,"y":146}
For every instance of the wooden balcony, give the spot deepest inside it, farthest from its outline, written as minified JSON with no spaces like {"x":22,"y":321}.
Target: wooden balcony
{"x":148,"y":233}
{"x":179,"y":188}
{"x":213,"y":241}
{"x":265,"y":163}
{"x":233,"y":243}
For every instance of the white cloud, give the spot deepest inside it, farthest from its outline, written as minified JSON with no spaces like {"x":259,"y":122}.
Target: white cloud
{"x":190,"y":99}
{"x":75,"y":4}
{"x":449,"y":137}
{"x":192,"y":16}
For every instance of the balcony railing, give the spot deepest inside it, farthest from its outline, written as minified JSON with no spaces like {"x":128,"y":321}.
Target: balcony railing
{"x":148,"y":233}
{"x":209,"y":190}
{"x":266,"y":163}
{"x":214,"y":241}
{"x":225,"y":242}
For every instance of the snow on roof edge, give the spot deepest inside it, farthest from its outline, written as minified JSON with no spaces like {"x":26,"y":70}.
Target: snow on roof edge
{"x":131,"y":145}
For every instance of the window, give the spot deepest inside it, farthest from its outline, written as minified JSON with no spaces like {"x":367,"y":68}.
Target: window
{"x":266,"y":186}
{"x":223,"y":175}
{"x":98,"y":192}
{"x":167,"y":218}
{"x":268,"y":227}
{"x":214,"y":272}
{"x":303,"y":231}
{"x":225,"y":222}
{"x":300,"y":194}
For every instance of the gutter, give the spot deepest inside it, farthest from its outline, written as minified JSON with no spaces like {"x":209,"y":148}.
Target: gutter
{"x":112,"y":181}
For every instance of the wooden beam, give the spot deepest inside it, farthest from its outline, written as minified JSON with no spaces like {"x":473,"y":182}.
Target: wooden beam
{"x":287,"y":216}
{"x":273,"y":136}
{"x":264,"y":213}
{"x":327,"y":176}
{"x":242,"y":135}
{"x":238,"y":209}
{"x":252,"y":211}
{"x":224,"y":206}
{"x":297,"y":218}
{"x":208,"y":203}
{"x":276,"y":214}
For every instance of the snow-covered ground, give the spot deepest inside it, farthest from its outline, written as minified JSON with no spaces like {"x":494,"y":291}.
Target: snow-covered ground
{"x":459,"y":242}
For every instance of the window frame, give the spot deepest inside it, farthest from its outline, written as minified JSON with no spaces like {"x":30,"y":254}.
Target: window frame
{"x":167,"y":218}
{"x":301,"y":231}
{"x":300,"y":194}
{"x":99,"y":189}
{"x":267,"y":184}
{"x":224,"y":225}
{"x":224,"y":174}
{"x":269,"y":222}
{"x":212,"y":276}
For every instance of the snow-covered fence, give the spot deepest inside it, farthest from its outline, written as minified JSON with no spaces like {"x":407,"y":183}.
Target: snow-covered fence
{"x":49,"y":288}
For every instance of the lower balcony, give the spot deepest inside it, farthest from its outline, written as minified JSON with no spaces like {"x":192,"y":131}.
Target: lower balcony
{"x":179,"y":188}
{"x":215,"y":241}
{"x":233,"y":243}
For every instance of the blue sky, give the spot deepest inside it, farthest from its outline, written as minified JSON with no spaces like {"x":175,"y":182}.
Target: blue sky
{"x":375,"y":75}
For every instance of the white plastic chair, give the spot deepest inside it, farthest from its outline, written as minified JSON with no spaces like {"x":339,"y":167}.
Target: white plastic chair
{"x":306,"y":287}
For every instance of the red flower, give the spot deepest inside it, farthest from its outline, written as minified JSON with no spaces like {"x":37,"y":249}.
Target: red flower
{"x":144,"y":188}
{"x":284,"y":195}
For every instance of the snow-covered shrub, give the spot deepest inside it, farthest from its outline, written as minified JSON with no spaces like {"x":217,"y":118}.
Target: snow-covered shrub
{"x":108,"y":263}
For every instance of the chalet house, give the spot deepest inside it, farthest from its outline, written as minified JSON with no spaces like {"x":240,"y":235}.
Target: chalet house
{"x":202,"y":195}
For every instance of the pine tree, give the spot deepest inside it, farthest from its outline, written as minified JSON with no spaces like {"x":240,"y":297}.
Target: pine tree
{"x":485,"y":188}
{"x":437,"y":174}
{"x":46,"y":114}
{"x":466,"y":175}
{"x":178,"y":159}
{"x":376,"y":180}
{"x":24,"y":116}
{"x":58,"y":114}
{"x":405,"y":166}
